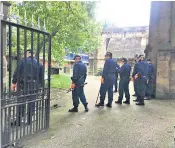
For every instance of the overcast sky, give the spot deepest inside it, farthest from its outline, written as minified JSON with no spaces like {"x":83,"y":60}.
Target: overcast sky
{"x":124,"y":13}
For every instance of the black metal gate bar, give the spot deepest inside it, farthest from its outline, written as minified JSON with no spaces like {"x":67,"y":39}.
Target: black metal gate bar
{"x":17,"y":106}
{"x":43,"y":84}
{"x":1,"y":77}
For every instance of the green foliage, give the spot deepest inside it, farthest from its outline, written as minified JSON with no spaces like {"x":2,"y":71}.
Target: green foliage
{"x":60,"y":81}
{"x":71,"y":25}
{"x":99,"y":72}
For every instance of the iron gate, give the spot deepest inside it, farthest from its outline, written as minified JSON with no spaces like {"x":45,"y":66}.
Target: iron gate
{"x":24,"y":111}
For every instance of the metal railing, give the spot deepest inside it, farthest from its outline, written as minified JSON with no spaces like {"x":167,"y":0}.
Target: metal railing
{"x":27,"y":109}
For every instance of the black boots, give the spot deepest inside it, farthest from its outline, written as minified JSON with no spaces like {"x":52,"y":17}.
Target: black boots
{"x":118,"y":102}
{"x":140,"y":103}
{"x":126,"y":102}
{"x":147,"y":98}
{"x":86,"y":107}
{"x":108,"y":105}
{"x":74,"y":109}
{"x":99,"y":104}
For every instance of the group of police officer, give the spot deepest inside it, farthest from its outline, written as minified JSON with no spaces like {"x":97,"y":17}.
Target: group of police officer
{"x":29,"y":69}
{"x":142,"y":77}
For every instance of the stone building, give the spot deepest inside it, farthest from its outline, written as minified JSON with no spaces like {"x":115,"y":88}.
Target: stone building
{"x":122,"y":42}
{"x":161,"y":47}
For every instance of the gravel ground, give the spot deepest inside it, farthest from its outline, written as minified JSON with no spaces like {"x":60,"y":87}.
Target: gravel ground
{"x":123,"y":126}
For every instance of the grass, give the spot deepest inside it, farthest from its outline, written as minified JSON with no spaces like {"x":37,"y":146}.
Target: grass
{"x":60,"y":81}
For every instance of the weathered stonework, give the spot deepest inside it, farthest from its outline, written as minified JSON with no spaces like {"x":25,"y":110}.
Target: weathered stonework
{"x":122,"y":42}
{"x":162,"y":42}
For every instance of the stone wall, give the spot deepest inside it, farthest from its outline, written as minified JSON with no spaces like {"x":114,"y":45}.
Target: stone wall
{"x":122,"y":43}
{"x":127,"y":47}
{"x":162,"y":47}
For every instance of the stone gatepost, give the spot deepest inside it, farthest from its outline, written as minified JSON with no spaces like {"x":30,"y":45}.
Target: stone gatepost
{"x":4,"y":134}
{"x":5,"y":13}
{"x":162,"y":45}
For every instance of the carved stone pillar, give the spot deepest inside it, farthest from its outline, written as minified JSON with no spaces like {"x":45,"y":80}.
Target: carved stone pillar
{"x":163,"y":74}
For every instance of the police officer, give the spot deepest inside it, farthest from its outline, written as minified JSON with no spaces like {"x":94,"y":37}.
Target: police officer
{"x":116,"y":75}
{"x":78,"y":79}
{"x":27,"y":71}
{"x":124,"y":72}
{"x":136,"y":59}
{"x":140,"y":75}
{"x":108,"y":80}
{"x":149,"y":90}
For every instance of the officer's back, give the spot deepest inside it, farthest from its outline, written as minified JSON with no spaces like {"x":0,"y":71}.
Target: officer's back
{"x":143,"y":68}
{"x":109,"y":67}
{"x":125,"y":71}
{"x":27,"y":69}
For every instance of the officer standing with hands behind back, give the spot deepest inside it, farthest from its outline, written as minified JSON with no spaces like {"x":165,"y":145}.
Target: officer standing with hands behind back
{"x":78,"y":79}
{"x":108,"y":80}
{"x":124,"y":72}
{"x":140,"y":75}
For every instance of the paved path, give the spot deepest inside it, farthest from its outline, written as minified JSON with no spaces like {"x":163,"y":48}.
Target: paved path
{"x":125,"y":126}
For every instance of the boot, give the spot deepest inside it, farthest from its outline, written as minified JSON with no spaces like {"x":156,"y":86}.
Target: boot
{"x":126,"y":102}
{"x":74,"y":109}
{"x":118,"y":102}
{"x":140,"y":103}
{"x":86,"y":107}
{"x":108,"y":105}
{"x":99,"y":104}
{"x":147,"y":98}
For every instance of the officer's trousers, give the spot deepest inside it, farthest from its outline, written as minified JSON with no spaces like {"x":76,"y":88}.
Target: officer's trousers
{"x":149,"y":90}
{"x":135,"y":87}
{"x":78,"y":93}
{"x":141,"y":85}
{"x":107,"y":86}
{"x":27,"y":109}
{"x":124,"y":88}
{"x":116,"y":84}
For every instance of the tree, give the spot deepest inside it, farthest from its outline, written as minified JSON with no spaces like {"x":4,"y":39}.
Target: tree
{"x":71,"y":24}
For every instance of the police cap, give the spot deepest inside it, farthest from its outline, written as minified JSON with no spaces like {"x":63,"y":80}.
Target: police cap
{"x":77,"y":56}
{"x":148,"y":60}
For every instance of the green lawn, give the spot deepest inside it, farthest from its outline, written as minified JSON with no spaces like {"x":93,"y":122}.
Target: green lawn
{"x":60,"y":81}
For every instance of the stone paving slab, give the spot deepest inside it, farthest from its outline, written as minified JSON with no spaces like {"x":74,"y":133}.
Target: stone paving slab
{"x":123,"y":126}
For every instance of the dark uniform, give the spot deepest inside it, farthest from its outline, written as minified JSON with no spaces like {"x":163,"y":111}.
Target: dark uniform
{"x":78,"y":78}
{"x":109,"y":71}
{"x":124,"y":72}
{"x":142,"y":69}
{"x":27,"y":74}
{"x":149,"y":91}
{"x":134,"y":81}
{"x":116,"y":82}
